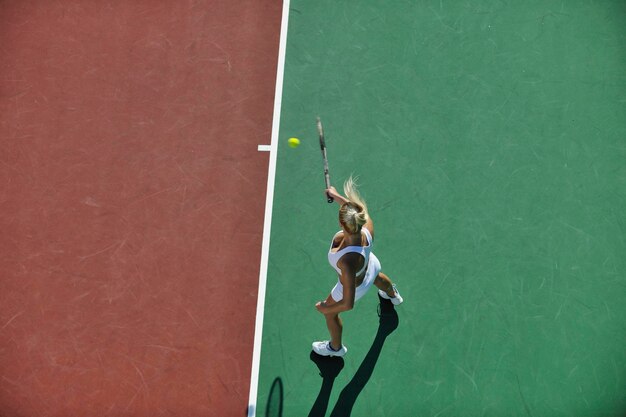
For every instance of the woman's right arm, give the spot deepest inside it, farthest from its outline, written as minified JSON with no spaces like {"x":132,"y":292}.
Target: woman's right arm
{"x":332,"y":192}
{"x":369,"y":224}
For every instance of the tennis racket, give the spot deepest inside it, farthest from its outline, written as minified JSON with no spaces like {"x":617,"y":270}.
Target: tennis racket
{"x":320,"y":130}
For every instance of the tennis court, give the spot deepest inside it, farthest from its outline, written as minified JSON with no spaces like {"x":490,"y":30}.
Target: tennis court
{"x":163,"y":247}
{"x":489,"y":138}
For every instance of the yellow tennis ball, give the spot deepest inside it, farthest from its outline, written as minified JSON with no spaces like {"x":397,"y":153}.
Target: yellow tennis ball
{"x":294,"y":142}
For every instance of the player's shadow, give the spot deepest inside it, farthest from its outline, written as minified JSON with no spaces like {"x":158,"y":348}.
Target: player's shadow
{"x":387,"y":323}
{"x":329,"y":367}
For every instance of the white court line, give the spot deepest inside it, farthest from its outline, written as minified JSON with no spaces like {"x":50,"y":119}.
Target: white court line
{"x":267,"y":225}
{"x":264,"y":148}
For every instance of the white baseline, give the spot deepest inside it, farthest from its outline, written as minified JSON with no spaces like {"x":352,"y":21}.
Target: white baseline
{"x":267,"y":224}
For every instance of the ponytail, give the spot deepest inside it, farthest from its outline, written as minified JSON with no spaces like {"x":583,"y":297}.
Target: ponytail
{"x":353,"y":214}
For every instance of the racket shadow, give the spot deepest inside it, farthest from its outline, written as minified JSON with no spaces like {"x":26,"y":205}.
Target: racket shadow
{"x":274,"y":407}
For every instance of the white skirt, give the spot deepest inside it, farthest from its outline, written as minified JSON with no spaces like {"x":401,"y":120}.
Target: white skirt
{"x":373,"y":268}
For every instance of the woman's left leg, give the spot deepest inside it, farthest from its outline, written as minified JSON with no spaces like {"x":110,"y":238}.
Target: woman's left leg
{"x":335,"y":326}
{"x":332,"y":347}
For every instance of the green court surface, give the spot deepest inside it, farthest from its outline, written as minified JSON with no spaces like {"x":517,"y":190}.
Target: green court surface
{"x":490,"y":142}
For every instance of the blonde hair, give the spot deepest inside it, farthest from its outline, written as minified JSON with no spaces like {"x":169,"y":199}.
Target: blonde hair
{"x":352,"y":214}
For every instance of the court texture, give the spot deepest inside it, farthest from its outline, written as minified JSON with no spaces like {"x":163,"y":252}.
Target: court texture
{"x":162,"y":248}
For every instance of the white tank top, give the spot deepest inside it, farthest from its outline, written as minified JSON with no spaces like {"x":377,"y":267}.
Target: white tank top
{"x":333,"y":257}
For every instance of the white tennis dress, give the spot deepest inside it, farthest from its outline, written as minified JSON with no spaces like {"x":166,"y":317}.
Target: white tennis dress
{"x":371,"y":265}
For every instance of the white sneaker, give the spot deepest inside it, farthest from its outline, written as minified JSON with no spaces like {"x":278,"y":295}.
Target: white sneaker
{"x":324,"y":349}
{"x":397,"y":300}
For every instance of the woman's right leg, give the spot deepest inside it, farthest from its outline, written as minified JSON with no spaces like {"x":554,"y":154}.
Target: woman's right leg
{"x":387,"y":289}
{"x":383,"y":282}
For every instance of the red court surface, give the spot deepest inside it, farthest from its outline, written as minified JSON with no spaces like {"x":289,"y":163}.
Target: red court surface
{"x":131,"y":204}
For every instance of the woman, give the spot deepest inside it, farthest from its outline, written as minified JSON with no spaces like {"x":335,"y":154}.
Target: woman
{"x":350,"y":255}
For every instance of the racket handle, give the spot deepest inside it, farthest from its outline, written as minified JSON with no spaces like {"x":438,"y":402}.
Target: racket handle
{"x":330,"y":199}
